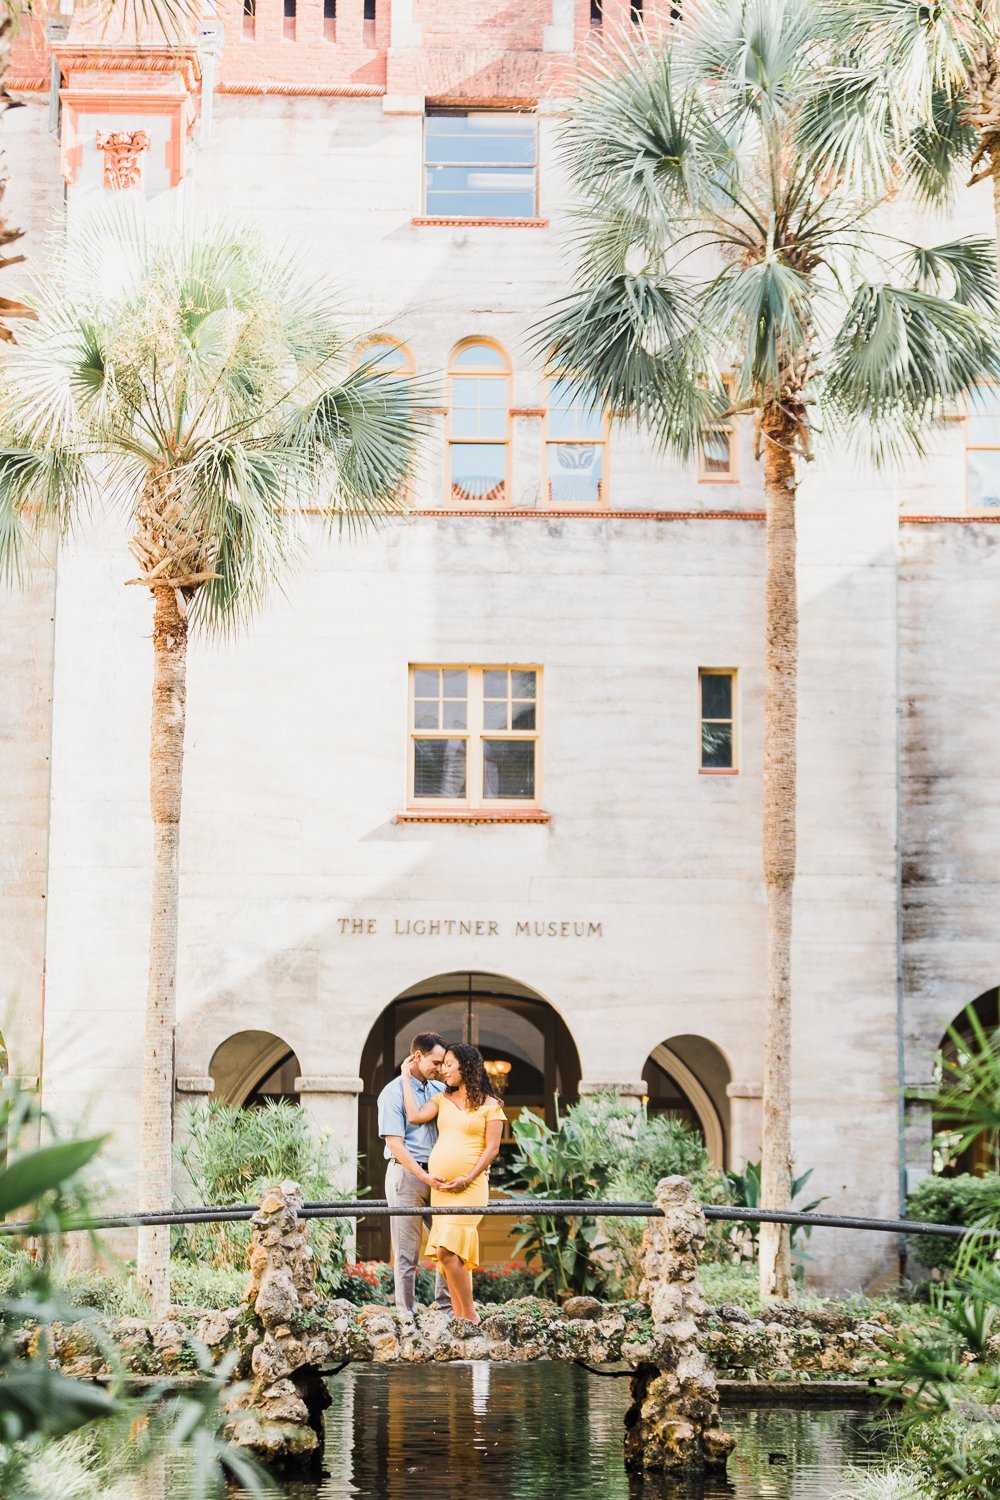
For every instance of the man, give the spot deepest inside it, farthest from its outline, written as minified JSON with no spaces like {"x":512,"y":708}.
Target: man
{"x":408,"y":1182}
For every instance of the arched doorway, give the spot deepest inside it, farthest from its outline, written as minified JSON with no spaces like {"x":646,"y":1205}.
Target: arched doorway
{"x":983,"y":1154}
{"x":253,"y":1066}
{"x":507,"y":1021}
{"x":686,"y":1077}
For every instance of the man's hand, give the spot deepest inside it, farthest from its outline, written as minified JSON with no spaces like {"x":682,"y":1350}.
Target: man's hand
{"x":433,"y":1180}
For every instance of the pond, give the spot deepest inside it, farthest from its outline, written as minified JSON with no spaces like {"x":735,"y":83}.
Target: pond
{"x":547,"y":1431}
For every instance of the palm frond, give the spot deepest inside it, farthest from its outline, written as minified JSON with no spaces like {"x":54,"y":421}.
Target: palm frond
{"x":941,"y":148}
{"x":634,"y":340}
{"x":764,"y":313}
{"x":900,"y":360}
{"x":963,"y":270}
{"x":38,"y":486}
{"x":362,"y":434}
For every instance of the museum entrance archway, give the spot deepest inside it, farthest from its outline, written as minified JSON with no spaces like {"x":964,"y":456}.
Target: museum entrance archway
{"x":509,"y":1023}
{"x":983,"y":1154}
{"x":252,"y":1067}
{"x":686,"y":1077}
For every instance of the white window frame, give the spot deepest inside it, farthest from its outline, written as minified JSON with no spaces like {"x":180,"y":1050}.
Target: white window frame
{"x":473,"y":735}
{"x":976,"y":510}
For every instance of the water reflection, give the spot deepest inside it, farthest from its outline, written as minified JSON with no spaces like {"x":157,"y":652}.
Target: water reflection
{"x":541,"y":1432}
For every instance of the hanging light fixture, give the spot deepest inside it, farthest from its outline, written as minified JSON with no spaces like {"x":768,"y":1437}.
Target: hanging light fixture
{"x":497,"y":1071}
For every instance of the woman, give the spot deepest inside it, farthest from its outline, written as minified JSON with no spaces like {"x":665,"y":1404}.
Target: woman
{"x":470,"y":1123}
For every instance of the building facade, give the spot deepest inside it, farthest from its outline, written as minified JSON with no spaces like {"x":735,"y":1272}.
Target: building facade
{"x":496,"y":768}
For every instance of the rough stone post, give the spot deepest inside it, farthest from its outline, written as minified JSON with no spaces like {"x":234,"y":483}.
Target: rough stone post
{"x":280,"y":1416}
{"x":673,"y":1423}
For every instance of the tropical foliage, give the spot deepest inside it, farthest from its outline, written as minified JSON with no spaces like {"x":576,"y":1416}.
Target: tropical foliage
{"x":196,"y":386}
{"x":600,"y":1148}
{"x":232,"y":1155}
{"x":48,"y":1420}
{"x":730,"y":260}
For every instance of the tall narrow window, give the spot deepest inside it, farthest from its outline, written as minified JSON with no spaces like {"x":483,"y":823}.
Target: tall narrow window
{"x":368,"y":29}
{"x":479,"y":417}
{"x":717,"y":453}
{"x":480,"y":164}
{"x":718,"y":723}
{"x":636,"y":12}
{"x":982,"y":449}
{"x":289,"y":21}
{"x":249,"y":19}
{"x":576,"y":440}
{"x":330,"y":20}
{"x":596,"y":14}
{"x":474,"y":733}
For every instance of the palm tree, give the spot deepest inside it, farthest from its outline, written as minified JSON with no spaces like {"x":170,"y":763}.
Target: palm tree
{"x":198,"y":387}
{"x":716,"y":239}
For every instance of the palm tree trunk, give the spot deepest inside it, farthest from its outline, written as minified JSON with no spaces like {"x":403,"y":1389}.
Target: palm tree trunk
{"x":780,"y":712}
{"x":166,"y":763}
{"x":995,"y":174}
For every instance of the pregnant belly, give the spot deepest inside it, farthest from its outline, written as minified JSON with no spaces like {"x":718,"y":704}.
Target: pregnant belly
{"x":454,"y":1158}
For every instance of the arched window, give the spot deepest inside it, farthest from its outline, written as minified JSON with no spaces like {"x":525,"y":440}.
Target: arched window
{"x":479,"y":424}
{"x":385,"y":355}
{"x":575,"y":445}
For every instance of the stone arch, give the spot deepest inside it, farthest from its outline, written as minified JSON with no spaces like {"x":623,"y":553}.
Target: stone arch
{"x":509,"y":1021}
{"x":983,"y":1154}
{"x":688,"y":1076}
{"x":251,"y":1066}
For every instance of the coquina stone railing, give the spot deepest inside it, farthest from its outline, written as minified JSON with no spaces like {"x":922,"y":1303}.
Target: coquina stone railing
{"x":288,"y":1339}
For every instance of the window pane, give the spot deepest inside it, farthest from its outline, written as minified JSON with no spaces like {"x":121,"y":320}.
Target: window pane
{"x":478,"y":471}
{"x":574,"y":473}
{"x":454,"y":714}
{"x":523,"y":684}
{"x":508,"y":768}
{"x":425,"y":714}
{"x":439,"y":768}
{"x":983,"y":480}
{"x":489,"y":136}
{"x":426,"y":684}
{"x":717,"y":746}
{"x":495,"y":684}
{"x":495,"y":715}
{"x":387,"y":357}
{"x":456,"y":684}
{"x":523,"y":716}
{"x":716,"y":452}
{"x":574,"y":411}
{"x":717,"y":695}
{"x":479,"y":355}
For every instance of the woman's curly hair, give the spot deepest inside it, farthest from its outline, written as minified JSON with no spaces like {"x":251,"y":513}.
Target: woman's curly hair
{"x":470,"y":1063}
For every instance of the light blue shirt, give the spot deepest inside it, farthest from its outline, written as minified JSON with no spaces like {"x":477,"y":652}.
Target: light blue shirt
{"x":419,"y":1140}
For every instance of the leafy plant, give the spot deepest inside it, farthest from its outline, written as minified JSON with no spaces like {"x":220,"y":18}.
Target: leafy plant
{"x":746,"y":1193}
{"x":232,"y":1155}
{"x":600,"y":1148}
{"x":963,"y":1199}
{"x":38,"y":1404}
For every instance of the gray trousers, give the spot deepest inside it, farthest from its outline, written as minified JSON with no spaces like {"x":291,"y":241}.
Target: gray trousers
{"x":403,"y":1190}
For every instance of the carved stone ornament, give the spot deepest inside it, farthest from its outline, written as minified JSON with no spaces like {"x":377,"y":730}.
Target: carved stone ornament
{"x":122,"y":150}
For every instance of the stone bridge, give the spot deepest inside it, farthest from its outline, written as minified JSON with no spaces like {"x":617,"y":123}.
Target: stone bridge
{"x":288,"y":1339}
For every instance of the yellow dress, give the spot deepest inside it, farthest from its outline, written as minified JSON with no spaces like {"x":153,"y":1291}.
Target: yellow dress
{"x":461,"y":1142}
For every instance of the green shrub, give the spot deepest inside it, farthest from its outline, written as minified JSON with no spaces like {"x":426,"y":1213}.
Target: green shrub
{"x":950,"y":1200}
{"x":365,"y":1281}
{"x":232,"y":1155}
{"x":601,"y":1148}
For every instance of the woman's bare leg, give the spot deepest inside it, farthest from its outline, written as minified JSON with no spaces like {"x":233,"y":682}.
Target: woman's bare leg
{"x":459,"y":1279}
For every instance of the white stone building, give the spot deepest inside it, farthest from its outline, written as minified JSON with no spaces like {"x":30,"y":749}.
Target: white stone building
{"x":590,"y":906}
